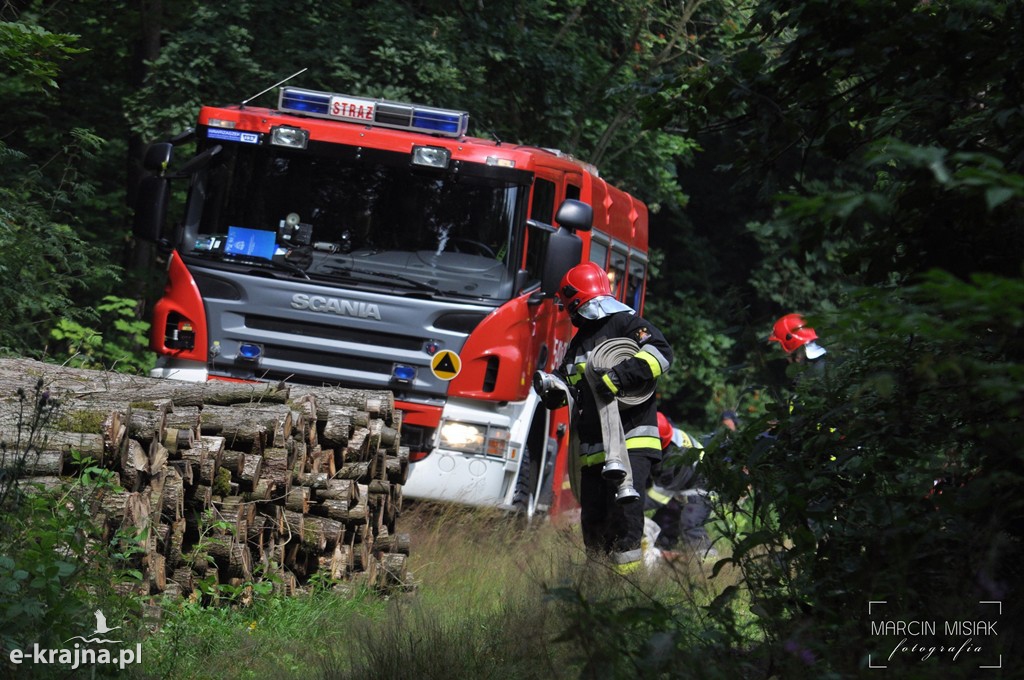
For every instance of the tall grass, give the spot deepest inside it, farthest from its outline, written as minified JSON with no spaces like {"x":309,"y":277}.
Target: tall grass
{"x":492,"y":599}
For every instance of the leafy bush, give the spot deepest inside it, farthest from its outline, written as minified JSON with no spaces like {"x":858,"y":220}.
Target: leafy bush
{"x":41,"y":249}
{"x":894,"y":476}
{"x":57,"y":565}
{"x":124,"y":349}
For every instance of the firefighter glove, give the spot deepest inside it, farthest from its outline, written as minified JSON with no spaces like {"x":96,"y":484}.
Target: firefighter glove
{"x":546,"y":387}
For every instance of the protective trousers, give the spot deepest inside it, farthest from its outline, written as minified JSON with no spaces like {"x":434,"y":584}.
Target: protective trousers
{"x":610,"y":527}
{"x":612,"y":513}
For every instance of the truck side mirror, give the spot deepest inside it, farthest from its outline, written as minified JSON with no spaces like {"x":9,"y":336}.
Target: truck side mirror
{"x":151,"y":207}
{"x":564,"y":251}
{"x":158,"y":157}
{"x":152,"y":194}
{"x":575,"y":215}
{"x":565,"y":248}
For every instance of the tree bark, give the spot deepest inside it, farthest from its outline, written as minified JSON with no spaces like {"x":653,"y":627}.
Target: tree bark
{"x":300,"y":479}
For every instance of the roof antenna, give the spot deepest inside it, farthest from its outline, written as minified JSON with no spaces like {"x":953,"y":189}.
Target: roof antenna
{"x":273,"y":86}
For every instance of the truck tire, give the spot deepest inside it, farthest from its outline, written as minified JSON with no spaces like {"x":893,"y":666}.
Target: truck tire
{"x":523,"y":485}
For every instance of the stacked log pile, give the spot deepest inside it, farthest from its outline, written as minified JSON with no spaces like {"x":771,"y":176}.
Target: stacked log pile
{"x":225,"y":482}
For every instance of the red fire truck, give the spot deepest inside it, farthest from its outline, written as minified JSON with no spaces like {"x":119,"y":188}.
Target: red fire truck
{"x":365,"y":243}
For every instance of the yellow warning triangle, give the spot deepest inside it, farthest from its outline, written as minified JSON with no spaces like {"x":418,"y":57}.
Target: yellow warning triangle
{"x":446,"y":365}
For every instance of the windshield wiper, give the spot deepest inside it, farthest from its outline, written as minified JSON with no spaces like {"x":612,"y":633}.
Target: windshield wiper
{"x":288,"y":267}
{"x":257,"y":262}
{"x":356,"y":273}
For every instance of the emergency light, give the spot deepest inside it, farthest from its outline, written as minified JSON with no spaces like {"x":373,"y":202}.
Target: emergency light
{"x":249,"y":351}
{"x":403,"y":373}
{"x":379,"y":112}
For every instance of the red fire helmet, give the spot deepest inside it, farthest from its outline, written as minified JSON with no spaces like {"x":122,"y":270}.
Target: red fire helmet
{"x":664,"y":430}
{"x":581,"y":284}
{"x":792,"y":332}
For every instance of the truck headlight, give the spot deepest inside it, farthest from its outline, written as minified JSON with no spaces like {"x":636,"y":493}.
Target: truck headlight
{"x":474,"y":438}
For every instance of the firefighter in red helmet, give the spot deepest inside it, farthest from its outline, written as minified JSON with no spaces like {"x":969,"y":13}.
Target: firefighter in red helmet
{"x":612,"y":521}
{"x":586,"y":294}
{"x":798,"y":340}
{"x":677,"y":499}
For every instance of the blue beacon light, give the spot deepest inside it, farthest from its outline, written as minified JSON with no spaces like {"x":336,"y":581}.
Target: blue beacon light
{"x":403,"y":374}
{"x":249,"y":351}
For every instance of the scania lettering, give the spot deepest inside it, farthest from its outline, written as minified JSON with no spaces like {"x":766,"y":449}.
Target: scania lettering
{"x":344,"y":240}
{"x":318,"y":303}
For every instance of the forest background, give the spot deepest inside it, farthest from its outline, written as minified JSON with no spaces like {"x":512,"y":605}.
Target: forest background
{"x":857,"y":161}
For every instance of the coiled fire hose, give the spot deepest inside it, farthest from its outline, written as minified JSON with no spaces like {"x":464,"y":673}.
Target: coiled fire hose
{"x":605,"y":356}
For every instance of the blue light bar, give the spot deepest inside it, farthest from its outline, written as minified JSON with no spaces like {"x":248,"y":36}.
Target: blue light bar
{"x":378,"y":112}
{"x":306,"y":101}
{"x":437,"y":120}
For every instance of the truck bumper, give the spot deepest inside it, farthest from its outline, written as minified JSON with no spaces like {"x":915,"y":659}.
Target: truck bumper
{"x":459,"y":478}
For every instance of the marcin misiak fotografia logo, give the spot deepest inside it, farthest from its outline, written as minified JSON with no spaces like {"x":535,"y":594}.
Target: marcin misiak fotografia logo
{"x":82,"y":650}
{"x":971,"y":641}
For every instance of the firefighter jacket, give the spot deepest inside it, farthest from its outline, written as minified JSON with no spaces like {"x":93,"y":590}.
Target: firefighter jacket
{"x":652,"y":360}
{"x":674,"y":477}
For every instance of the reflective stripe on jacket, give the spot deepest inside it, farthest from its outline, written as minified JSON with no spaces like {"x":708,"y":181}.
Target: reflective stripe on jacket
{"x":652,"y":360}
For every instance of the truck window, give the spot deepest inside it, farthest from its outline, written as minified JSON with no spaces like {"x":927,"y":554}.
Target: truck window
{"x":635,"y":288}
{"x":542,"y":208}
{"x":362,"y":207}
{"x":536,"y":248}
{"x":617,"y":272}
{"x":598,"y":252}
{"x":366,"y":216}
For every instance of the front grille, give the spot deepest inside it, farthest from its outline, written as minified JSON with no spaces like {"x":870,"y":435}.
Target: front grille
{"x":341,"y":361}
{"x":337,"y":333}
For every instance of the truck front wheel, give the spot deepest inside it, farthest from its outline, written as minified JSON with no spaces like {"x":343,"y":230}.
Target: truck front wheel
{"x":524,"y":485}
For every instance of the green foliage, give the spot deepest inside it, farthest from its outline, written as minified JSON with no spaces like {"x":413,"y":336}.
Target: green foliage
{"x":616,"y":633}
{"x":192,"y":69}
{"x":62,"y":189}
{"x":29,"y":55}
{"x":56,"y":565}
{"x":281,"y":636}
{"x":701,"y":357}
{"x":479,"y":592}
{"x":41,"y":246}
{"x":841,"y":498}
{"x":125,"y":349}
{"x":51,"y":263}
{"x":840,"y":148}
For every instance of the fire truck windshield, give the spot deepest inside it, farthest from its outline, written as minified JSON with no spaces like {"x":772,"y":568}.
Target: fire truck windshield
{"x":338,"y":213}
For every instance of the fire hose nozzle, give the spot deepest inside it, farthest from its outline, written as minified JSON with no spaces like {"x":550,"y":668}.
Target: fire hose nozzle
{"x":614,"y":471}
{"x":626,"y":494}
